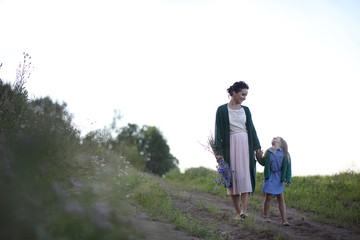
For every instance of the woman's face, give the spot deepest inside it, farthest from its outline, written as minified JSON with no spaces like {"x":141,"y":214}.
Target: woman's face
{"x":240,"y":96}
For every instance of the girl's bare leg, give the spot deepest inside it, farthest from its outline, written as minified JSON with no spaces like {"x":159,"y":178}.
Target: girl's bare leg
{"x":282,"y":208}
{"x":281,"y":201}
{"x":267,"y":203}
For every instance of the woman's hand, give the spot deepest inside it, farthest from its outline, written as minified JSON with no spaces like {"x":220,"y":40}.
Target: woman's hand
{"x":218,"y":157}
{"x":287,"y":184}
{"x":259,"y":153}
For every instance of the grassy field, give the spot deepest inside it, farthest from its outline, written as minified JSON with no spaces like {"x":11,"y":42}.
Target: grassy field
{"x":332,"y":199}
{"x":94,"y":201}
{"x":92,"y":205}
{"x":97,"y":204}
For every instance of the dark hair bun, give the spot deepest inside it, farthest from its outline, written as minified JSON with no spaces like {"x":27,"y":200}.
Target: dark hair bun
{"x":237,"y":87}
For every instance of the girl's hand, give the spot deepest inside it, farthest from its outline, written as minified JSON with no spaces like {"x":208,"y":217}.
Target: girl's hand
{"x":287,"y":184}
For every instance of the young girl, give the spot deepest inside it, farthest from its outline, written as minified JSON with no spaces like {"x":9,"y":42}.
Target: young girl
{"x":277,"y":172}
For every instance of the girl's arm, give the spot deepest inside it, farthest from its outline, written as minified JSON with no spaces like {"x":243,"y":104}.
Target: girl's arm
{"x":287,"y":175}
{"x":288,"y":178}
{"x":261,"y":159}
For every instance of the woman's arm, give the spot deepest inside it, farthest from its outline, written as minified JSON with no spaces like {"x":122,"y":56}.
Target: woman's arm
{"x":218,"y":141}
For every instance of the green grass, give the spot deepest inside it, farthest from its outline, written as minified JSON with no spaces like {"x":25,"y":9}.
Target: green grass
{"x":333,"y":199}
{"x":213,"y":209}
{"x":201,"y":179}
{"x":159,"y":204}
{"x":94,"y":205}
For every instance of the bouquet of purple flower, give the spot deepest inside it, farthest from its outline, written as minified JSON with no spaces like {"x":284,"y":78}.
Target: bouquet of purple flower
{"x":223,"y":169}
{"x":225,"y":173}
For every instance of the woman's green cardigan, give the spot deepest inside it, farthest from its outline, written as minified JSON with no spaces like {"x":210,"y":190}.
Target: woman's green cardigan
{"x":286,"y":167}
{"x":222,"y":138}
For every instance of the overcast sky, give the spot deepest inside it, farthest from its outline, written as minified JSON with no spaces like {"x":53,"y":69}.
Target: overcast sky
{"x":168,"y":64}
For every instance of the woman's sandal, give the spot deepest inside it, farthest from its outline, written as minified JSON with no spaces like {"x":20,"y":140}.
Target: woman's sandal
{"x":243,"y":216}
{"x":285,"y":223}
{"x":266,"y":219}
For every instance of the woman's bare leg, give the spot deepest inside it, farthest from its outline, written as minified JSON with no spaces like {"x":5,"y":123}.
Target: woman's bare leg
{"x":236,"y":202}
{"x":244,"y":202}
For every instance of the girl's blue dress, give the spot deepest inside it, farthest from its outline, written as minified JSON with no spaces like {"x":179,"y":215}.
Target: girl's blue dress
{"x":273,"y":185}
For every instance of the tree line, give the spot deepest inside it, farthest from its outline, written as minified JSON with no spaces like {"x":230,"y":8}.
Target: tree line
{"x":42,"y":130}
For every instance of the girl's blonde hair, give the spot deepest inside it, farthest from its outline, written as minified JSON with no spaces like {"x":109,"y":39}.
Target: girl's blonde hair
{"x":284,"y":147}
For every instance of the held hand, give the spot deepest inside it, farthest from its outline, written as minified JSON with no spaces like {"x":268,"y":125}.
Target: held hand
{"x":287,"y":184}
{"x":259,"y":153}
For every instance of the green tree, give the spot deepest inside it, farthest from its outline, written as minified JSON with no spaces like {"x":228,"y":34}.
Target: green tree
{"x":127,"y":144}
{"x":157,"y":154}
{"x":145,"y":148}
{"x":14,"y":98}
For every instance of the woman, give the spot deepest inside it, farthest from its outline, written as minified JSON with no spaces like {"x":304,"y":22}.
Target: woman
{"x":235,"y":142}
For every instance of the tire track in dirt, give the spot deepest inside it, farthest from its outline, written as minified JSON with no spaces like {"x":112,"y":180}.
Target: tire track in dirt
{"x":222,"y":213}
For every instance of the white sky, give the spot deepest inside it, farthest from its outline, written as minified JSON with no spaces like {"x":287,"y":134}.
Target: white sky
{"x":168,"y":64}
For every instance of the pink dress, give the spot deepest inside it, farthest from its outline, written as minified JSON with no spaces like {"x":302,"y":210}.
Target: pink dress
{"x":239,"y":153}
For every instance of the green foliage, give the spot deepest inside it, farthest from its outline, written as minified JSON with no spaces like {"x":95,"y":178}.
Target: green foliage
{"x":132,"y":154}
{"x":334,"y":199}
{"x":159,"y":204}
{"x":157,"y":152}
{"x":96,"y":139}
{"x":148,"y":148}
{"x":52,"y":186}
{"x":91,"y":205}
{"x":200,"y":178}
{"x":58,"y":186}
{"x":13,"y":99}
{"x":46,"y":139}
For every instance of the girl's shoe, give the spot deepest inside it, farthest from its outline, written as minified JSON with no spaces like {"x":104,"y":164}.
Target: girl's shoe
{"x":238,"y":217}
{"x":285,"y":223}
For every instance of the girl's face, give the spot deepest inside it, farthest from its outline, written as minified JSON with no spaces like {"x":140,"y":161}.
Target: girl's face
{"x":276,"y":141}
{"x":240,"y":96}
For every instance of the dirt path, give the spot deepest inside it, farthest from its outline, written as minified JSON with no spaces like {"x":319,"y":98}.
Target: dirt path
{"x":212,"y":209}
{"x":158,"y":230}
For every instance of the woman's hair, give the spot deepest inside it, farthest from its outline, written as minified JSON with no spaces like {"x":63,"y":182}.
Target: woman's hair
{"x":284,"y":147}
{"x":237,"y":86}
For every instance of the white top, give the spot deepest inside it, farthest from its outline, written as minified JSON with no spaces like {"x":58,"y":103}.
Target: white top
{"x":237,"y":119}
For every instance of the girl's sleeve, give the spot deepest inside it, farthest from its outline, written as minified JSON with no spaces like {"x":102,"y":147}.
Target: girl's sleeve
{"x":288,"y":174}
{"x":261,"y":160}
